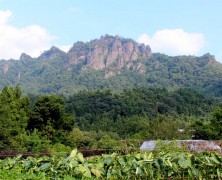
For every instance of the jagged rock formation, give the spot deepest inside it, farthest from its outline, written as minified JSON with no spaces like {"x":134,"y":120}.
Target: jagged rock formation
{"x":106,"y":51}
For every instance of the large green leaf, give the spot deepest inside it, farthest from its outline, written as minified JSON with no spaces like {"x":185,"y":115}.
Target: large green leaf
{"x":73,"y":153}
{"x":184,"y":162}
{"x":108,"y":161}
{"x":84,"y":170}
{"x":96,"y":172}
{"x":27,"y":163}
{"x":45,"y":166}
{"x":216,"y":159}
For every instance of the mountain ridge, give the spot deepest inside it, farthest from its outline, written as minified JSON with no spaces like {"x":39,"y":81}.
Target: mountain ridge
{"x":109,"y":62}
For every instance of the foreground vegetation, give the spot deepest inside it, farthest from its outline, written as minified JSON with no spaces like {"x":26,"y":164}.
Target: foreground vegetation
{"x":140,"y":165}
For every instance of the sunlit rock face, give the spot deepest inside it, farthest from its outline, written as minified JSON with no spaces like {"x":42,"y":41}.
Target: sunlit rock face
{"x":108,"y":50}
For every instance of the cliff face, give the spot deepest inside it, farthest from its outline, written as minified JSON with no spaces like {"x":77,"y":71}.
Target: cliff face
{"x":106,"y":51}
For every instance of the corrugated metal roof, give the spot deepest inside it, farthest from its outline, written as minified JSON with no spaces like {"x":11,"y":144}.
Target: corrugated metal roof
{"x":191,"y":145}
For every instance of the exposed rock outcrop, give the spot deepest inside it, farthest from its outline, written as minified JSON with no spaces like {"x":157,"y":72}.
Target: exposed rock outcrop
{"x":25,"y":57}
{"x":107,"y":51}
{"x":5,"y":68}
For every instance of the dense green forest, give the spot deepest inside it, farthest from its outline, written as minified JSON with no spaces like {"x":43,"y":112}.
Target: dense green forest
{"x":100,"y":119}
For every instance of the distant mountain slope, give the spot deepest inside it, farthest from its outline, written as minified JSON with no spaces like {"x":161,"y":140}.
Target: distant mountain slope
{"x":110,"y":62}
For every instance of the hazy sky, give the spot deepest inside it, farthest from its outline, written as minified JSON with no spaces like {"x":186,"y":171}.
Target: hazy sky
{"x":174,"y":27}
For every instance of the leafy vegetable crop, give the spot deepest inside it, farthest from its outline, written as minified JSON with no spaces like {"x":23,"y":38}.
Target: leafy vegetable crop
{"x":143,"y":165}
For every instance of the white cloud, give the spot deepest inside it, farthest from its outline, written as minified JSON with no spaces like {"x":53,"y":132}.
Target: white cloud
{"x":31,"y":39}
{"x":64,"y":48}
{"x":174,"y":42}
{"x":4,"y":16}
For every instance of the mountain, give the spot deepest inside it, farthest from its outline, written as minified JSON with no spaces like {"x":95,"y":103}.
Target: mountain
{"x":110,"y":62}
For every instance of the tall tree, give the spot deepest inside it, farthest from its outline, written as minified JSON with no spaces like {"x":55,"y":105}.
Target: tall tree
{"x":50,"y":118}
{"x":209,"y":130}
{"x":14,"y":113}
{"x":216,"y":123}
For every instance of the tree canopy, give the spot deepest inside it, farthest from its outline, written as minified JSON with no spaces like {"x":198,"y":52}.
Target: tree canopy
{"x":14,"y":115}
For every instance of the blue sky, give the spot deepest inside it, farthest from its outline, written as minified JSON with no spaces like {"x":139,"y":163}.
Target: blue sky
{"x":174,"y":27}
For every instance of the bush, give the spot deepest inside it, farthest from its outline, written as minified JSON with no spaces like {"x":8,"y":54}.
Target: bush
{"x":106,"y":142}
{"x":59,"y":148}
{"x":34,"y":142}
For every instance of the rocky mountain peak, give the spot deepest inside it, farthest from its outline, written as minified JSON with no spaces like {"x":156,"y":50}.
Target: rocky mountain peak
{"x":108,"y":50}
{"x":52,"y":53}
{"x":25,"y":57}
{"x":209,"y":58}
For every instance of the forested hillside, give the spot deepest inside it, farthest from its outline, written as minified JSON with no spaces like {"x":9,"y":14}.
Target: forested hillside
{"x":104,"y":108}
{"x":99,"y":119}
{"x":111,"y":62}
